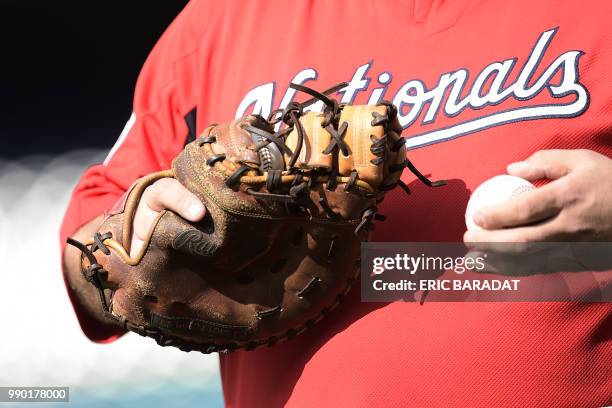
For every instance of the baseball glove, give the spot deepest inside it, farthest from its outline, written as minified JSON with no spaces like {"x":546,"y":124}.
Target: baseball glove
{"x":288,"y":199}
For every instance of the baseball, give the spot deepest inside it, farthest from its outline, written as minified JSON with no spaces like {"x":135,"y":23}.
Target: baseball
{"x":494,"y":191}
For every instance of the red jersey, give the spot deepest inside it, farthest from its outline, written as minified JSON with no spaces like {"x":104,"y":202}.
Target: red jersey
{"x":479,"y":84}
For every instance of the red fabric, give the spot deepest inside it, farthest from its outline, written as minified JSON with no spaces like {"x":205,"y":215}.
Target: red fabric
{"x":391,"y":355}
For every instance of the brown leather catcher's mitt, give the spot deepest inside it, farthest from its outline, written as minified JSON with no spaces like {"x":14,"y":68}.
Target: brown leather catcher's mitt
{"x":288,"y":199}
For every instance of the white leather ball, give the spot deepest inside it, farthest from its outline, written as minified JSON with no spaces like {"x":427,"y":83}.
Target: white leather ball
{"x":494,"y":191}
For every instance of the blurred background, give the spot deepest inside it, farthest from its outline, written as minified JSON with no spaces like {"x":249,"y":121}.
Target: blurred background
{"x":68,"y":75}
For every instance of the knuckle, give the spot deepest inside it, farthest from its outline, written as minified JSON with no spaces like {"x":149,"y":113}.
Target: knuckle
{"x":155,"y":189}
{"x":165,"y":191}
{"x":584,"y":153}
{"x":563,"y":187}
{"x":524,"y":210}
{"x":566,"y":193}
{"x":148,"y":193}
{"x":574,"y":227}
{"x":539,"y":155}
{"x":163,"y":184}
{"x":578,"y":228}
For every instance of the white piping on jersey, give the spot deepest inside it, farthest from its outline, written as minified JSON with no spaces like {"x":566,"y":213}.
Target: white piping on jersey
{"x":126,"y":129}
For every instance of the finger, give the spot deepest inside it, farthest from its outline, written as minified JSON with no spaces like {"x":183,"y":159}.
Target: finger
{"x":527,"y":208}
{"x":143,"y":219}
{"x":544,"y":164}
{"x":168,"y":193}
{"x":547,"y":231}
{"x":517,"y":263}
{"x":142,"y":223}
{"x":500,"y":263}
{"x":497,"y":247}
{"x":136,"y":246}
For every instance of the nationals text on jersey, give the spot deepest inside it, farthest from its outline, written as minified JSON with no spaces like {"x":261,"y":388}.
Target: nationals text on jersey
{"x":452,"y":94}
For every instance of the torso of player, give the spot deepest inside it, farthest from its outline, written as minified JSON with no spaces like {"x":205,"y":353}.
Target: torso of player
{"x":478,"y":84}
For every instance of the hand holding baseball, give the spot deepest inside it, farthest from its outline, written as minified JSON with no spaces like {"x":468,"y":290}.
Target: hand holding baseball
{"x":575,"y":206}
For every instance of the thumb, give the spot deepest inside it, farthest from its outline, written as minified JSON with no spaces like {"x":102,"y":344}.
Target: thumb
{"x":544,"y":164}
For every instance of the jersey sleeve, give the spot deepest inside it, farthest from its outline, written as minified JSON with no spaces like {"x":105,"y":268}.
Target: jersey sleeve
{"x":163,"y":118}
